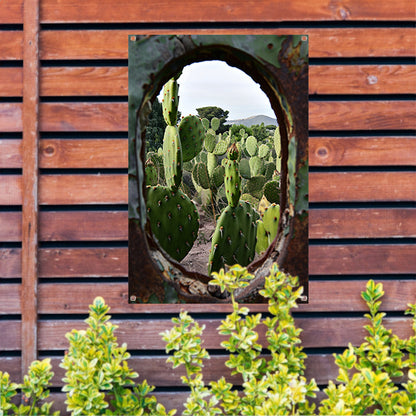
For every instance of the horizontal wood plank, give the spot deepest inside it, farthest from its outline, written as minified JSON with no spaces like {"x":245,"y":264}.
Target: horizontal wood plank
{"x":362,"y":79}
{"x":83,"y":153}
{"x":11,"y":82}
{"x":362,"y":259}
{"x":323,"y":115}
{"x":11,"y":11}
{"x":11,"y":45}
{"x":10,"y":117}
{"x":324,"y":296}
{"x":112,"y":153}
{"x":112,"y":262}
{"x":10,"y":299}
{"x":323,"y":43}
{"x":362,"y":186}
{"x":10,"y":226}
{"x":13,"y":330}
{"x":112,"y":188}
{"x":362,"y":151}
{"x":145,"y":334}
{"x":67,"y":11}
{"x":362,"y":223}
{"x":10,"y":154}
{"x":323,"y":79}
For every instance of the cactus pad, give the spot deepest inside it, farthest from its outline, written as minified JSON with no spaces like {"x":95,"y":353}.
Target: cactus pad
{"x":267,"y":227}
{"x":210,"y":141}
{"x":151,"y":172}
{"x":251,"y":145}
{"x":234,"y":239}
{"x":254,"y":186}
{"x":215,"y":123}
{"x":191,"y":133}
{"x":172,"y":157}
{"x":256,"y":166}
{"x":264,"y":151}
{"x":200,"y":175}
{"x":170,"y":102}
{"x":174,"y":220}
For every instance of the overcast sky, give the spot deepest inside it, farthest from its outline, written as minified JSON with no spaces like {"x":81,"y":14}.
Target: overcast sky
{"x":215,"y":83}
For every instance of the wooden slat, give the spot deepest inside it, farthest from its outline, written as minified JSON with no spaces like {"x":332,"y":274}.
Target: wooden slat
{"x":145,"y":334}
{"x":362,"y":223}
{"x":10,"y":299}
{"x":11,"y":11}
{"x":323,"y":115}
{"x":362,"y":115}
{"x":362,"y":259}
{"x":323,"y":79}
{"x":11,"y":82}
{"x":112,"y":262}
{"x":191,"y":11}
{"x":30,"y":181}
{"x":112,"y":189}
{"x":10,"y":226}
{"x":83,"y":153}
{"x":11,"y":117}
{"x":11,"y":45}
{"x":362,"y":186}
{"x":323,"y":43}
{"x":13,"y":340}
{"x":324,"y":296}
{"x":102,"y":262}
{"x":112,"y":153}
{"x":362,"y":79}
{"x":10,"y":153}
{"x":362,"y":151}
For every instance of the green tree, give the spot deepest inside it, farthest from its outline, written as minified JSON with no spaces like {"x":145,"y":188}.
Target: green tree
{"x":155,"y":128}
{"x":260,"y":132}
{"x":211,"y":112}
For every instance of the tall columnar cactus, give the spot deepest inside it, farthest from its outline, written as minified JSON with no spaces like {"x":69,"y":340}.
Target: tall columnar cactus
{"x":234,"y":239}
{"x":174,"y":220}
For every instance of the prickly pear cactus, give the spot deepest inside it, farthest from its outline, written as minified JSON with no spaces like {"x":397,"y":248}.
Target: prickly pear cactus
{"x":267,"y":228}
{"x":234,"y":239}
{"x":232,"y":179}
{"x":191,"y":133}
{"x":170,"y":102}
{"x":150,"y":172}
{"x":174,"y":220}
{"x":271,"y":191}
{"x":200,"y":175}
{"x":172,"y":157}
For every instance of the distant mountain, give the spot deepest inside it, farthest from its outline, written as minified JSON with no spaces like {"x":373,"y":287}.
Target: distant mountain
{"x":250,"y":121}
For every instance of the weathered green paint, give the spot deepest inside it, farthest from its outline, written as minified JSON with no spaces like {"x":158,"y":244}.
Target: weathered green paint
{"x":280,"y":65}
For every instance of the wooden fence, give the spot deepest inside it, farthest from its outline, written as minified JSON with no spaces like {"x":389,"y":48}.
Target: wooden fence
{"x":63,"y":166}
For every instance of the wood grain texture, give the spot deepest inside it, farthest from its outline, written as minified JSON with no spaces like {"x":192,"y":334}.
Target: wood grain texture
{"x":323,"y":115}
{"x":362,"y":259}
{"x":248,"y":11}
{"x":362,"y":151}
{"x":323,"y":43}
{"x":10,"y":226}
{"x":334,"y":260}
{"x":11,"y":190}
{"x":323,"y":79}
{"x":11,"y":82}
{"x":11,"y":11}
{"x":10,"y":300}
{"x":83,"y":153}
{"x":112,"y":153}
{"x":325,"y":296}
{"x":11,"y":117}
{"x":362,"y":223}
{"x":144,"y":334}
{"x":11,"y":45}
{"x":10,"y":154}
{"x":362,"y":79}
{"x":362,"y":186}
{"x":14,"y":335}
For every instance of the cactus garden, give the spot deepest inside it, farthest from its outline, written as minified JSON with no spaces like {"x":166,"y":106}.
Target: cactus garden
{"x":210,"y":193}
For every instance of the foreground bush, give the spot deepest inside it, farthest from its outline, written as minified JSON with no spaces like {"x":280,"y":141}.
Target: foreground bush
{"x":98,"y":380}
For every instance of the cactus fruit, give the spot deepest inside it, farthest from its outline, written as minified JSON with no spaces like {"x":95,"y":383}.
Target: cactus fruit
{"x":234,"y":239}
{"x":191,"y":133}
{"x":172,"y":157}
{"x":174,"y":220}
{"x":232,"y":178}
{"x":170,"y":102}
{"x":267,"y":227}
{"x":271,"y":191}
